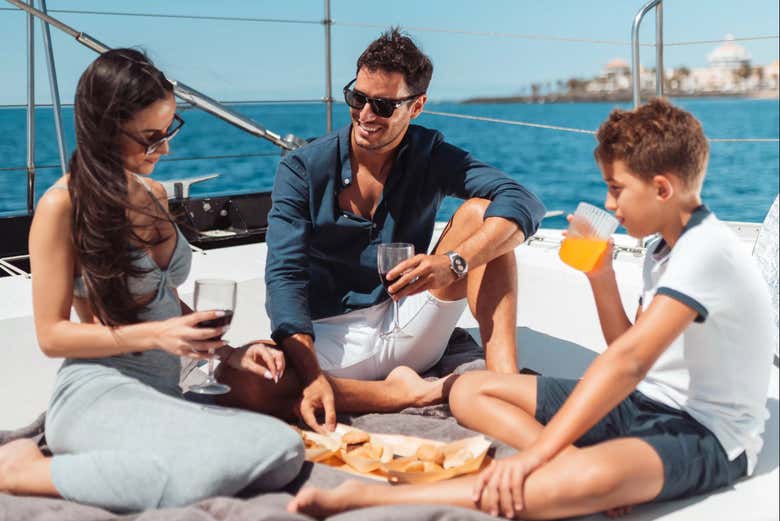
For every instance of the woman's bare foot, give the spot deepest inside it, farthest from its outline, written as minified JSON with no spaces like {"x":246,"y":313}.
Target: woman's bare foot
{"x":320,"y":503}
{"x":15,"y":456}
{"x":420,"y":392}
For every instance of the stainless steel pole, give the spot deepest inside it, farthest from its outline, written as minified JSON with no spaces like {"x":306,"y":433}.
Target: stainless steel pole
{"x":185,"y":92}
{"x":327,"y":22}
{"x":635,"y":75}
{"x":659,"y":49}
{"x":55,"y":93}
{"x":30,"y":112}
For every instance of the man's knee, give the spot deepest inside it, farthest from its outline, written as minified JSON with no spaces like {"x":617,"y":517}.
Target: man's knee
{"x":471,"y":212}
{"x":464,"y":391}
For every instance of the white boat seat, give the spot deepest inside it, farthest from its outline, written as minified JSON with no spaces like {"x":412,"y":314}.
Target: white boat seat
{"x":766,"y":253}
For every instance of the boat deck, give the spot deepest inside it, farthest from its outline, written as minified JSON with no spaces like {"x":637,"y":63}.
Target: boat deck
{"x":558,"y":334}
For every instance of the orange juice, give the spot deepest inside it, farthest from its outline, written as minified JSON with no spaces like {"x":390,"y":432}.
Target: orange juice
{"x":582,"y":253}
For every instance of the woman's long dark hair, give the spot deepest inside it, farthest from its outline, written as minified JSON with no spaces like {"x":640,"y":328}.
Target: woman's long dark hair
{"x":111,"y":91}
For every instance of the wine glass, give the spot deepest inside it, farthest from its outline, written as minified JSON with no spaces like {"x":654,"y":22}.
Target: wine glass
{"x":214,"y":294}
{"x":388,"y":256}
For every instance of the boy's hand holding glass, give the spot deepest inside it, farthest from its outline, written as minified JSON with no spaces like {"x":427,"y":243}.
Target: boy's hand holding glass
{"x":588,"y":238}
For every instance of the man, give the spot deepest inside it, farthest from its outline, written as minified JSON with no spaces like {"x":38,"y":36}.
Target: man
{"x":381,"y":180}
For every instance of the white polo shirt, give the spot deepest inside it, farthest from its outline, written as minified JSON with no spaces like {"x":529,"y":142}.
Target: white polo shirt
{"x":718,"y":369}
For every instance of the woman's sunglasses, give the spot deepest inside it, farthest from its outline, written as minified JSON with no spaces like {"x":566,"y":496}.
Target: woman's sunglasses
{"x":382,"y":107}
{"x":152,"y":146}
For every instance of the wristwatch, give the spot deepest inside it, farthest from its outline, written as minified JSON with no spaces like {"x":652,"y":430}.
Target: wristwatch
{"x":458,"y":264}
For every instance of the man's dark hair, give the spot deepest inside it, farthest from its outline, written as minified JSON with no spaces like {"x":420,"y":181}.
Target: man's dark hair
{"x":394,"y":51}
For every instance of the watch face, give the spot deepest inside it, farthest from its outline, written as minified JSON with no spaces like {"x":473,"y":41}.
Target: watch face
{"x":459,"y":264}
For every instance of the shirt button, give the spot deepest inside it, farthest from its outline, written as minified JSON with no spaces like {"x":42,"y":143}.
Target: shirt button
{"x":346,"y":181}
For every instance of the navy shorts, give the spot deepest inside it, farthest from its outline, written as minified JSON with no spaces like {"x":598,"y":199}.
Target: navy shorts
{"x":693,"y":458}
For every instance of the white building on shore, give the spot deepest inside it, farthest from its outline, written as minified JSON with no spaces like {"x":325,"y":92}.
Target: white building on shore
{"x":729,"y":71}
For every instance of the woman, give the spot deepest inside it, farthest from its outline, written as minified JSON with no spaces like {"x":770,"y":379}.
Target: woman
{"x":103,"y":242}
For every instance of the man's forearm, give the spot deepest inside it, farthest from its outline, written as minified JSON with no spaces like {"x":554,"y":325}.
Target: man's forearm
{"x":299,"y":348}
{"x":494,"y":238}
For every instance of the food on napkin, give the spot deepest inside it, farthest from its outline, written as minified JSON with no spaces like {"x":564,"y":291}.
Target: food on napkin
{"x":403,"y":459}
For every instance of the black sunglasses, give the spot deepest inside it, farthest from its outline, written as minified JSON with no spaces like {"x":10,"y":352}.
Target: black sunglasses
{"x":382,"y":107}
{"x":152,"y":146}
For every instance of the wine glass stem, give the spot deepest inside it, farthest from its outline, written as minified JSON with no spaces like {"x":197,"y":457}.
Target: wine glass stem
{"x":395,"y":309}
{"x":210,"y":377}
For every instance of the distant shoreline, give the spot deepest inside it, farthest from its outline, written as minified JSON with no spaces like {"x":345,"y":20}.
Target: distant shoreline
{"x":623,"y":96}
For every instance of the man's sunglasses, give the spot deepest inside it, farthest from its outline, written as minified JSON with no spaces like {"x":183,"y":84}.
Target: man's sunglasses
{"x":152,"y":146}
{"x":382,"y":107}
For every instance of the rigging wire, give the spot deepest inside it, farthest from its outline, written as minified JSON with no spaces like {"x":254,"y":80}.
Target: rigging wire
{"x":410,"y":28}
{"x":508,"y":122}
{"x":166,"y":160}
{"x":521,"y":36}
{"x":180,"y":16}
{"x":578,"y":130}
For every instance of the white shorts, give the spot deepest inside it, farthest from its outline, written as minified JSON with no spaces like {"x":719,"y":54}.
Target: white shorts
{"x":349,"y":345}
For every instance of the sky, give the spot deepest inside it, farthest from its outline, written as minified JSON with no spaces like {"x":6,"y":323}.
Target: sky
{"x":253,"y":60}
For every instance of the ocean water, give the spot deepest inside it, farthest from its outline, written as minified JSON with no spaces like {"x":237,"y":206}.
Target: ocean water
{"x":742,"y":179}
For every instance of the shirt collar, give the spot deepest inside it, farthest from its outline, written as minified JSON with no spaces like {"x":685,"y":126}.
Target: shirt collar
{"x":345,"y":139}
{"x":700,"y":213}
{"x":346,"y":167}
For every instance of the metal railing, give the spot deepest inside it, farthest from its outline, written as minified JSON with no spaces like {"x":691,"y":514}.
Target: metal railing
{"x":181,"y":90}
{"x":636,"y":83}
{"x":220,"y":108}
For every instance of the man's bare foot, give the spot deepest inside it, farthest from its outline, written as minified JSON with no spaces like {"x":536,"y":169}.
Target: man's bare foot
{"x":15,"y":456}
{"x":320,"y":503}
{"x":614,"y":513}
{"x":420,"y":392}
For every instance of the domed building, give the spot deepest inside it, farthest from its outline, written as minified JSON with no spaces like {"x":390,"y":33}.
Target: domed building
{"x":724,"y":74}
{"x":729,"y":55}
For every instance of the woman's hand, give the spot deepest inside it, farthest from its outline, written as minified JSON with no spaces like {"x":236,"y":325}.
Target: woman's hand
{"x":261,"y":358}
{"x":181,"y":336}
{"x":499,"y":488}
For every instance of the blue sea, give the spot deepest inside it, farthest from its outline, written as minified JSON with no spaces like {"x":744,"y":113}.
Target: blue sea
{"x":741,"y":183}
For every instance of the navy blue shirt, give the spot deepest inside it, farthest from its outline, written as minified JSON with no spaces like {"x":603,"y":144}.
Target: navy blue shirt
{"x":322,"y":260}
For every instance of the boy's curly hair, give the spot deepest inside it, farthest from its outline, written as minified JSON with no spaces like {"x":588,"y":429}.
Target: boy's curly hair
{"x":655,"y":138}
{"x":394,"y":51}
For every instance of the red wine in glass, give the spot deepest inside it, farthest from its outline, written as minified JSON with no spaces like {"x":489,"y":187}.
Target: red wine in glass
{"x":219,"y":321}
{"x":386,"y":283}
{"x":222,"y":321}
{"x":214,"y":295}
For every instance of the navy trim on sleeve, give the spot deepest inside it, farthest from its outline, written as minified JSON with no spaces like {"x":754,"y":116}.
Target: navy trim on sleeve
{"x":685,"y":299}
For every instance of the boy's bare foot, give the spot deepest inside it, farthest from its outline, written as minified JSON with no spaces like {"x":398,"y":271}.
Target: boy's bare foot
{"x":420,"y":392}
{"x":320,"y":503}
{"x":14,"y":456}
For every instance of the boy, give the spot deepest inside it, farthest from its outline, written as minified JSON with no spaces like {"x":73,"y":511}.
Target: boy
{"x":675,"y":405}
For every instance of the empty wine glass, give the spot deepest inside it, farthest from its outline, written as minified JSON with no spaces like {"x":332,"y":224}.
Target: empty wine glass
{"x":388,"y":256}
{"x":214,"y":294}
